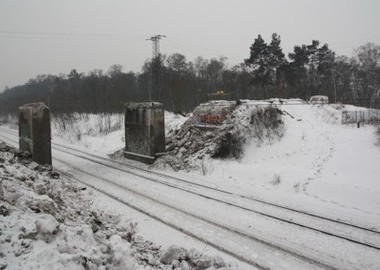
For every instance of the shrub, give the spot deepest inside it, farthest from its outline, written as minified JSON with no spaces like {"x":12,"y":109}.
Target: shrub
{"x":229,"y":146}
{"x":267,"y":117}
{"x":266,"y":124}
{"x":263,"y":124}
{"x":276,"y":180}
{"x":9,"y":119}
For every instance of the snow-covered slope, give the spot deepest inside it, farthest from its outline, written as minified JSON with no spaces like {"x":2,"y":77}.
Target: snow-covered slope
{"x":318,"y":165}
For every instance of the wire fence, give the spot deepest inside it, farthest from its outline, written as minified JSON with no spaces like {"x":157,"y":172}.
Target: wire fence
{"x":361,"y":116}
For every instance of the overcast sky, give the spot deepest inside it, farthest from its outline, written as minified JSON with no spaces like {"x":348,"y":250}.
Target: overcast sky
{"x":53,"y":37}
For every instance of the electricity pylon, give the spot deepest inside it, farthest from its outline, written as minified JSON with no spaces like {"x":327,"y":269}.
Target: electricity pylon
{"x":155,"y":65}
{"x":156,"y":44}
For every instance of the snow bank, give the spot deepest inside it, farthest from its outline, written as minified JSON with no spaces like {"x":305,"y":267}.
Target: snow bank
{"x":173,"y":121}
{"x":47,"y":222}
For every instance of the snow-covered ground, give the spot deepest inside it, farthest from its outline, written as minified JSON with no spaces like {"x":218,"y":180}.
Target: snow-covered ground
{"x":22,"y":185}
{"x":99,"y":133}
{"x":319,"y":165}
{"x":50,"y":222}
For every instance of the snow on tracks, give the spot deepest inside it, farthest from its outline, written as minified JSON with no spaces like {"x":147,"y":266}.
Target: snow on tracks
{"x":252,"y":231}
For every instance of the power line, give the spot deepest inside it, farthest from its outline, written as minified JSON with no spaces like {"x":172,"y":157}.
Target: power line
{"x":63,"y":35}
{"x":196,"y":46}
{"x":352,"y":41}
{"x":69,"y":33}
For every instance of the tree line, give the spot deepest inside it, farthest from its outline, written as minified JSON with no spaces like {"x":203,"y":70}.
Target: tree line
{"x":311,"y":69}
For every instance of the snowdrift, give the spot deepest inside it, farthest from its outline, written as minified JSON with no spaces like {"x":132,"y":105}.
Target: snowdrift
{"x":48,"y":222}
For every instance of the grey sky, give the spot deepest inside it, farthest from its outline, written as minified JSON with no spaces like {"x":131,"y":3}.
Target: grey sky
{"x":52,"y":37}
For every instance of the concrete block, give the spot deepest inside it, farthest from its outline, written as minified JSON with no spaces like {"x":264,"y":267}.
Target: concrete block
{"x":144,"y":131}
{"x":34,"y":131}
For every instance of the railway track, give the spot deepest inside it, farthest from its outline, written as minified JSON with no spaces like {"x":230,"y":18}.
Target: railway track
{"x":367,"y":238}
{"x":188,"y":184}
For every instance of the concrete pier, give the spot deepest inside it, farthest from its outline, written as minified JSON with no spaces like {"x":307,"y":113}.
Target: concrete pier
{"x":144,"y":131}
{"x":34,"y":131}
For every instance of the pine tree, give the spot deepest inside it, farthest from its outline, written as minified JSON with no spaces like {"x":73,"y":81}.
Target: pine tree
{"x":266,"y":60}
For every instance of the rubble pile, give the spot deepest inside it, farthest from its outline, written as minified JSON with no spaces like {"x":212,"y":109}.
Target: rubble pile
{"x":231,"y":126}
{"x":48,"y":222}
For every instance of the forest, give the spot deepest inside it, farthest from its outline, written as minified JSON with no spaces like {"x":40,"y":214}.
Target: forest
{"x":181,"y":84}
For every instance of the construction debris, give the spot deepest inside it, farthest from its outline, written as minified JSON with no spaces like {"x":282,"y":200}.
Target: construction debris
{"x":221,"y":129}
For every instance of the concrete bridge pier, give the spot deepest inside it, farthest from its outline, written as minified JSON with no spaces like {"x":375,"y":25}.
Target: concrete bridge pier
{"x":144,"y":131}
{"x":34,"y":131}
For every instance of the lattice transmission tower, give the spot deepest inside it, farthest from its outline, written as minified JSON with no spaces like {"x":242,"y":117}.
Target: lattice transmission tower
{"x":154,"y":88}
{"x":156,"y":44}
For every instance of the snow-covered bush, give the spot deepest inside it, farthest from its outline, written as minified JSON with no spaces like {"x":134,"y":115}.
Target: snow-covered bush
{"x":266,"y":123}
{"x":9,"y":119}
{"x":75,"y":126}
{"x":276,"y":180}
{"x":230,"y":146}
{"x":263,"y":124}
